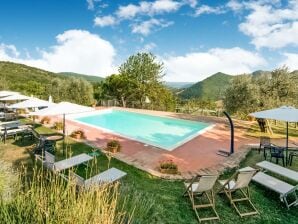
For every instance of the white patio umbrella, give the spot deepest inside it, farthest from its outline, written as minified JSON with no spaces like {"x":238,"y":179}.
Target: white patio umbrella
{"x":4,"y":93}
{"x":63,"y":108}
{"x":31,"y":103}
{"x":14,"y":97}
{"x":284,"y":113}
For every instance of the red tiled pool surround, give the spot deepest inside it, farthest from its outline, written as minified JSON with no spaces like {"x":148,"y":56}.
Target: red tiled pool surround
{"x":191,"y":157}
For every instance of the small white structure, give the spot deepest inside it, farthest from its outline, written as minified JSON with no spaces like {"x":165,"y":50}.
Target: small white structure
{"x":147,"y":100}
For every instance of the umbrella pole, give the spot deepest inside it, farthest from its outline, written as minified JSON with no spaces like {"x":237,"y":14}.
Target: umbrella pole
{"x":63,"y":146}
{"x":287,"y":143}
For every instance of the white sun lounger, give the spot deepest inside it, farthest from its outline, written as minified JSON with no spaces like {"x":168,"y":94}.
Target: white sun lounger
{"x":279,"y":186}
{"x":109,"y":176}
{"x":290,"y":174}
{"x":66,"y":163}
{"x":71,"y":162}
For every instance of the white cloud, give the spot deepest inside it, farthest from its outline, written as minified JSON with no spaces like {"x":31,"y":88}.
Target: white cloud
{"x":76,"y":51}
{"x":161,"y":6}
{"x":235,"y":5}
{"x":205,"y":9}
{"x":191,"y":3}
{"x":144,"y":28}
{"x":127,"y":12}
{"x":149,"y":8}
{"x":291,"y":61}
{"x":199,"y":65}
{"x":149,"y":47}
{"x":105,"y":21}
{"x":90,"y":4}
{"x":8,"y":51}
{"x":136,"y":13}
{"x":271,"y":26}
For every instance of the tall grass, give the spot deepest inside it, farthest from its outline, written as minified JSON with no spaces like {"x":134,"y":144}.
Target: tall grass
{"x":8,"y":181}
{"x":47,"y":198}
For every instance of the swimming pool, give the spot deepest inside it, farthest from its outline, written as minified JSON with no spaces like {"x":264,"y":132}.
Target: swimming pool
{"x":163,"y":132}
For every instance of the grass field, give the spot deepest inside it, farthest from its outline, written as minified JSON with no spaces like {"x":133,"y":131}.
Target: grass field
{"x":278,"y":128}
{"x":162,"y":199}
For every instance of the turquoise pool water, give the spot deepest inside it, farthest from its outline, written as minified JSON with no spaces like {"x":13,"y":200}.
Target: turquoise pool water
{"x":162,"y":132}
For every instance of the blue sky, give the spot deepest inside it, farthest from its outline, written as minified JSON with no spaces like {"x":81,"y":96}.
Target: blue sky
{"x":194,"y":39}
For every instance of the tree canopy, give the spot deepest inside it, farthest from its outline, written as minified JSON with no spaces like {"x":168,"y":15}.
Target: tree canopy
{"x":140,"y":76}
{"x":248,"y":93}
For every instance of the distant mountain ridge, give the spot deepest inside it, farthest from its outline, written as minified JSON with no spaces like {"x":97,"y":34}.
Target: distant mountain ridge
{"x":211,"y":88}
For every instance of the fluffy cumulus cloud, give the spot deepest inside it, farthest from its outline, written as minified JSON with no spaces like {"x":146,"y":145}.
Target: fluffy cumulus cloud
{"x":271,"y":25}
{"x":76,"y":51}
{"x":152,"y":8}
{"x":291,"y":61}
{"x":105,"y":21}
{"x":140,"y":11}
{"x":146,"y":27}
{"x":199,"y":65}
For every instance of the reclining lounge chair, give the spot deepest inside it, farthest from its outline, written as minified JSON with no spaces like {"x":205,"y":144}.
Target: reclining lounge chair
{"x":198,"y":187}
{"x":239,"y":182}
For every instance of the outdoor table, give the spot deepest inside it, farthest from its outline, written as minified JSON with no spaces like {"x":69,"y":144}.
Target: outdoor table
{"x":290,"y":174}
{"x":53,"y":138}
{"x":70,"y":162}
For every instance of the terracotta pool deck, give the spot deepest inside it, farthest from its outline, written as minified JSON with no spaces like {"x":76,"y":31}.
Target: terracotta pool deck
{"x":196,"y":156}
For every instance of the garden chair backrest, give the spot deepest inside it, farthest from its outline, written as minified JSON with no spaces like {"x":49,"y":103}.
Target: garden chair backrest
{"x":243,"y":179}
{"x":206,"y":183}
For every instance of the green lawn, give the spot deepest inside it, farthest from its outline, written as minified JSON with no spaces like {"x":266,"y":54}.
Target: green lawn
{"x":160,"y":201}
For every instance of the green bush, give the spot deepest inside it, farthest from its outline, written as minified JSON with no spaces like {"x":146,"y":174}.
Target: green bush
{"x":58,"y":125}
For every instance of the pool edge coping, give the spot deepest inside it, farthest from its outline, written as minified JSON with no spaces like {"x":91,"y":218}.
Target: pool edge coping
{"x":146,"y":144}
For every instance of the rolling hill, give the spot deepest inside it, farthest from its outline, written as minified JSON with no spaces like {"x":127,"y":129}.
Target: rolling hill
{"x":89,"y":78}
{"x":19,"y":74}
{"x":211,"y":88}
{"x":29,"y":80}
{"x":178,"y":85}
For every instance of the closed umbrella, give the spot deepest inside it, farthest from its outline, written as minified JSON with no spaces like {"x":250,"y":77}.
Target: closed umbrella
{"x":284,"y":113}
{"x":63,"y":108}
